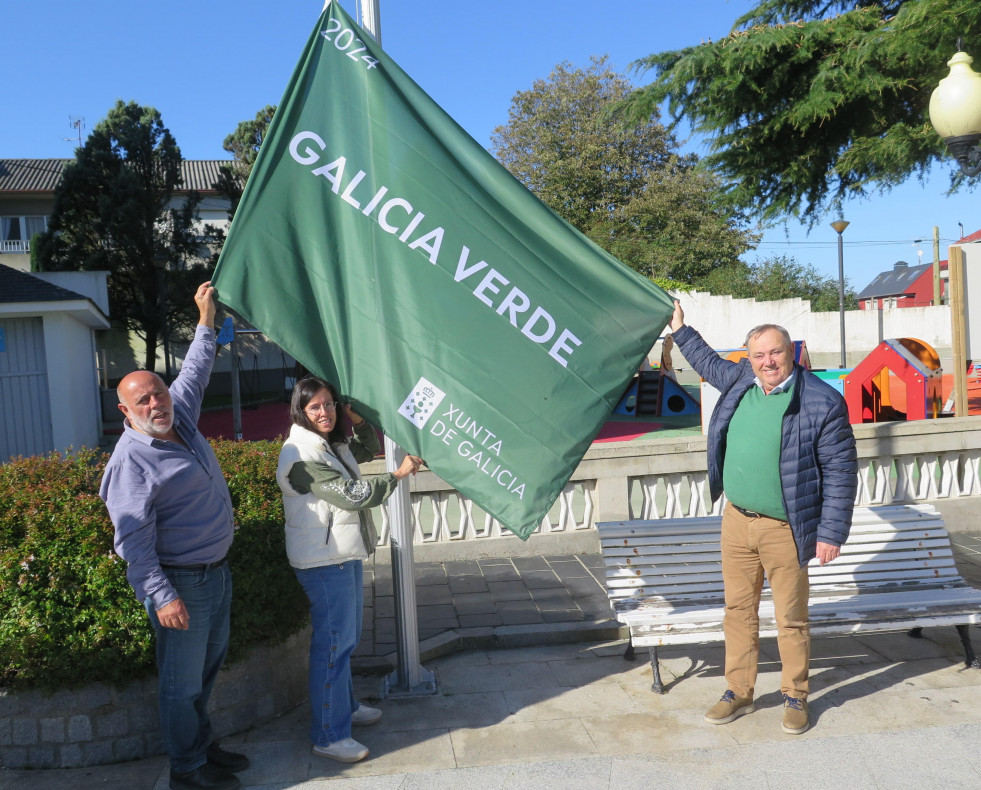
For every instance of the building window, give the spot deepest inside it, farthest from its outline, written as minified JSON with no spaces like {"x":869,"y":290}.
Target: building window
{"x":16,"y":232}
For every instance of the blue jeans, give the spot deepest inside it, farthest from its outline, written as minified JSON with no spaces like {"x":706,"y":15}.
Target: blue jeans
{"x":336,"y":601}
{"x":188,"y":662}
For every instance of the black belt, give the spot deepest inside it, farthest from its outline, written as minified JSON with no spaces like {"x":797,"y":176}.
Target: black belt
{"x":202,"y":566}
{"x":752,"y":513}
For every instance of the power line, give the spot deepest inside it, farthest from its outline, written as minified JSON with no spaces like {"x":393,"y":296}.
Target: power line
{"x":802,"y":244}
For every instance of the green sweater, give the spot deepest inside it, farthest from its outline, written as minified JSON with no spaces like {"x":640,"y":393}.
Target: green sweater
{"x":751,"y":472}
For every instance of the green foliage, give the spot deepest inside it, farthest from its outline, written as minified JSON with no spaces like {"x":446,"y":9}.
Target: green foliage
{"x":268,"y":604}
{"x":780,"y":277}
{"x":809,"y":102}
{"x":67,"y":614}
{"x":620,"y":182}
{"x":243,"y":144}
{"x":112,"y":213}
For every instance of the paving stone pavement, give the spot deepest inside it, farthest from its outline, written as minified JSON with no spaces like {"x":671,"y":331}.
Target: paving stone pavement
{"x":476,"y":599}
{"x":533,"y":692}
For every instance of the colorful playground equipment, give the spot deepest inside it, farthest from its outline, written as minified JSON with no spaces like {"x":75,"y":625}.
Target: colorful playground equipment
{"x":915,"y":364}
{"x":654,"y":394}
{"x":657,"y":393}
{"x":900,"y":380}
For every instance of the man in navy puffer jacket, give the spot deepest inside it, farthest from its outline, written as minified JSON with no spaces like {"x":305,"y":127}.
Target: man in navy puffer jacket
{"x":781,"y":447}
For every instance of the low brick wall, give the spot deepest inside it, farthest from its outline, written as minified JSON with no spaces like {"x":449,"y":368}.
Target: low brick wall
{"x":101,"y":724}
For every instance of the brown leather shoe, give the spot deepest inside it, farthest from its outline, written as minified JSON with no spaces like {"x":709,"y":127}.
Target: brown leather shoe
{"x":794,"y":715}
{"x":728,"y":708}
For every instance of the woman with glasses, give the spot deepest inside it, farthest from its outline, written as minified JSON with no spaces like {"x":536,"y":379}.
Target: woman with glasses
{"x":329,"y":533}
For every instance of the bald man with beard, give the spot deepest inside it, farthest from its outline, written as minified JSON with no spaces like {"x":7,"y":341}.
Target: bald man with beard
{"x":173,"y":521}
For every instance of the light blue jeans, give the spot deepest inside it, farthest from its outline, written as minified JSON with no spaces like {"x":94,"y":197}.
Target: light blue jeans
{"x":188,"y":662}
{"x":336,"y":601}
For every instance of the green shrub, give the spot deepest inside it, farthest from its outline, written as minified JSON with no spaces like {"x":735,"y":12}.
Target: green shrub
{"x":67,"y":614}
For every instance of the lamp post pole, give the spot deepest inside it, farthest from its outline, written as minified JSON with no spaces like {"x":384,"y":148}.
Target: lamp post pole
{"x":955,"y":112}
{"x":839,"y":225}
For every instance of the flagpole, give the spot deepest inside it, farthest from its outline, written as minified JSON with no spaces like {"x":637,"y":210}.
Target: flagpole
{"x":410,"y":677}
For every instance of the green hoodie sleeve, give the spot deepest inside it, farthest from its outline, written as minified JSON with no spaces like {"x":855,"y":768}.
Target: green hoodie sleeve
{"x":364,"y":444}
{"x":327,"y":483}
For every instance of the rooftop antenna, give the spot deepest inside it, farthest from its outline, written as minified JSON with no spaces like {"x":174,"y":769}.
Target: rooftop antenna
{"x":77,"y":124}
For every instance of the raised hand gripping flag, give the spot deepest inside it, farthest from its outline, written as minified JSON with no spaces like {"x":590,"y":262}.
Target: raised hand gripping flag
{"x":387,"y":251}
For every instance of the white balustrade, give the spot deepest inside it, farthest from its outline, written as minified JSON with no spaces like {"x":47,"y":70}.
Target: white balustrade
{"x":898,"y":463}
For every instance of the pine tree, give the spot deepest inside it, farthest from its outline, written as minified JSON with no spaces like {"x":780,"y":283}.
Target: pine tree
{"x":808,"y":102}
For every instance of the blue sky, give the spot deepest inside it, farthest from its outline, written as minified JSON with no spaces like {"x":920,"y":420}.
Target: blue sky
{"x":208,"y":64}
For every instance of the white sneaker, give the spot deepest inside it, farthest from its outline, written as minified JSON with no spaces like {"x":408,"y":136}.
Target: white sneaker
{"x":346,"y":751}
{"x":365,"y":715}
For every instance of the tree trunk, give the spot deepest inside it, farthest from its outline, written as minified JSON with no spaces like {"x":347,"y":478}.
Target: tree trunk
{"x":150,"y":350}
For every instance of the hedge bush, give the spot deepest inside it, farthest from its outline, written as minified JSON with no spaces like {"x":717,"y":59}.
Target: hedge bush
{"x":67,"y":614}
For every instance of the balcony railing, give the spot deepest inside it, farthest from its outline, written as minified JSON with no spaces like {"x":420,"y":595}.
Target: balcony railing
{"x":16,"y":245}
{"x":898,"y":462}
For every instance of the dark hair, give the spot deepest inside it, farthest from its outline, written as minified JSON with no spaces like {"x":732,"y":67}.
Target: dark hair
{"x":303,"y":393}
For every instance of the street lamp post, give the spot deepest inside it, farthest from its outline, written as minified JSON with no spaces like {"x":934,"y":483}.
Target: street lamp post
{"x":955,"y":112}
{"x":839,"y":225}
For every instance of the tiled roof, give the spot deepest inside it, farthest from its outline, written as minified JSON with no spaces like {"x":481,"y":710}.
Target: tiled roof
{"x":201,"y":174}
{"x":17,"y":286}
{"x":893,"y":282}
{"x":30,"y":175}
{"x":43,"y":175}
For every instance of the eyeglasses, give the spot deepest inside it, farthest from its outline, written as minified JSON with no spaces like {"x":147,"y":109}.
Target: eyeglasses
{"x":326,"y":407}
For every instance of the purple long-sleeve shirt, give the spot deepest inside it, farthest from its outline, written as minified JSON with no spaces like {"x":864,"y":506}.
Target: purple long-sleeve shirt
{"x":169,"y":503}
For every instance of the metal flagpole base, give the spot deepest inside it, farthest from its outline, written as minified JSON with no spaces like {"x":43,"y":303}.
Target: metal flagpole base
{"x":410,"y":679}
{"x":426,"y":687}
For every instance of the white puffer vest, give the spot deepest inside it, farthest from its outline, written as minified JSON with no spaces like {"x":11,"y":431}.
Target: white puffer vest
{"x":318,"y":533}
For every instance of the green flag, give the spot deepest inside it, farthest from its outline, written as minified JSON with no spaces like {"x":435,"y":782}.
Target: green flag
{"x":388,"y":252}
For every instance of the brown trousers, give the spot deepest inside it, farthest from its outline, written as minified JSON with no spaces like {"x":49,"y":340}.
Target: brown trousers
{"x":752,"y":546}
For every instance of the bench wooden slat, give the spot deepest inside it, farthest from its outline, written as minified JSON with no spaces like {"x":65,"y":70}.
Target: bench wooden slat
{"x":871,"y":569}
{"x":935,"y":539}
{"x":917,"y":597}
{"x":932,"y":532}
{"x":887,"y":517}
{"x":706,"y":625}
{"x":708,"y":573}
{"x":696,"y":563}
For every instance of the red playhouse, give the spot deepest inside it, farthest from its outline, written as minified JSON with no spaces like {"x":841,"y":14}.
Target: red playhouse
{"x":917,"y":367}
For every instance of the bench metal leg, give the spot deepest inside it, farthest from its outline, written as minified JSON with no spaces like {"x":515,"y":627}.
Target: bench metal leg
{"x":628,"y":654}
{"x":963,"y":631}
{"x":970,"y":660}
{"x":658,"y":686}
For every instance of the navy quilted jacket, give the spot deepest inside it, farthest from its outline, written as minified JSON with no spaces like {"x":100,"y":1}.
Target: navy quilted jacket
{"x":818,"y":466}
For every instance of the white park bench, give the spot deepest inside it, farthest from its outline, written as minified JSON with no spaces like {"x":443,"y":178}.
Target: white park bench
{"x":895,"y":572}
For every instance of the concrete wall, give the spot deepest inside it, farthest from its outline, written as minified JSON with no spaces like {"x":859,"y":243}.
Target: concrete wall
{"x":92,"y":285}
{"x":972,"y":295}
{"x":73,"y":383}
{"x":101,"y":724}
{"x":724,"y":321}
